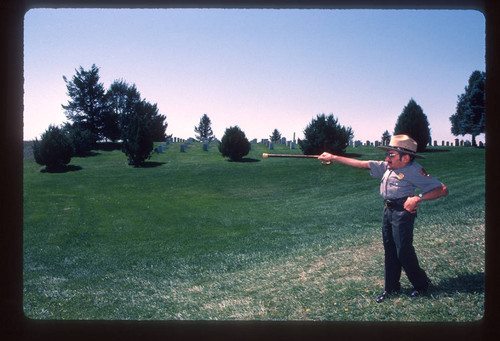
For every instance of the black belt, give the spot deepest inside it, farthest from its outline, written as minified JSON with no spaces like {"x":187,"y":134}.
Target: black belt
{"x":396,"y":204}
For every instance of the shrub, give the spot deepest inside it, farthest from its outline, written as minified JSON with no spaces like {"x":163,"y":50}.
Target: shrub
{"x":234,"y":144}
{"x":81,"y":139}
{"x":325,"y":134}
{"x":54,"y":150}
{"x":138,"y":142}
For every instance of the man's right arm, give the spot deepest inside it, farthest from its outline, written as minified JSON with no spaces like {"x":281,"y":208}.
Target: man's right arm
{"x":345,"y":160}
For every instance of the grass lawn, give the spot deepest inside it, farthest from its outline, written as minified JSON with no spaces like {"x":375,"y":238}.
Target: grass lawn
{"x":196,"y":237}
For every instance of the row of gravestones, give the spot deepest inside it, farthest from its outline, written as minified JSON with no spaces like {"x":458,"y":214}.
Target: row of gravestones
{"x":183,"y":146}
{"x":457,"y":143}
{"x":292,"y":144}
{"x":270,"y":145}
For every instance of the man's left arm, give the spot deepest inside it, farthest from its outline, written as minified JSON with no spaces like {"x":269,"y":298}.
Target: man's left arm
{"x":411,"y":204}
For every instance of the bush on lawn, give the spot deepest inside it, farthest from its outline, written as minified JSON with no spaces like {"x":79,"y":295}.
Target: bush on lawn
{"x":54,"y":150}
{"x":325,"y":134}
{"x":138,"y":143}
{"x":81,"y":139}
{"x":234,"y":144}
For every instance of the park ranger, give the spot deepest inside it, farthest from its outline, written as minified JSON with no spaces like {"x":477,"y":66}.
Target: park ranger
{"x":400,"y":175}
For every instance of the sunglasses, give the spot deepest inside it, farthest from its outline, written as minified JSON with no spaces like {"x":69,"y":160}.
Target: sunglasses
{"x":391,"y":155}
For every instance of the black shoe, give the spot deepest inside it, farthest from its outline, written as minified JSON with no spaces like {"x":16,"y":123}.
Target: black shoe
{"x":418,"y":292}
{"x":382,"y":297}
{"x":415,"y":294}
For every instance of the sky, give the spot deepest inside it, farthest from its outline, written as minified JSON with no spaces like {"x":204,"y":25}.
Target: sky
{"x":259,"y":69}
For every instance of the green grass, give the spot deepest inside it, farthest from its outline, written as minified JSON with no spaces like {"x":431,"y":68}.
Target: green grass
{"x":197,"y":237}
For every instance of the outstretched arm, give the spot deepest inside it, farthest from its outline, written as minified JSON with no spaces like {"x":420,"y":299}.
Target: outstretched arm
{"x":345,"y":160}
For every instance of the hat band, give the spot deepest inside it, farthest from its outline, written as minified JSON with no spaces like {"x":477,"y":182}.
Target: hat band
{"x":403,"y":149}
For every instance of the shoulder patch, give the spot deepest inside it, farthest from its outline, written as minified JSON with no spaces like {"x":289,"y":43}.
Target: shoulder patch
{"x":424,"y":172}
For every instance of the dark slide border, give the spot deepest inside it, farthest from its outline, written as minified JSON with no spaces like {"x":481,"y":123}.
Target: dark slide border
{"x":15,"y":326}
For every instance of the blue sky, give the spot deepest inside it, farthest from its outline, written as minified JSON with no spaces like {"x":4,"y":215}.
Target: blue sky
{"x":259,"y":69}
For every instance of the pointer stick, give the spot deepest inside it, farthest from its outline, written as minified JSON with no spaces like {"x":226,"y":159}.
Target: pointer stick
{"x":266,"y":155}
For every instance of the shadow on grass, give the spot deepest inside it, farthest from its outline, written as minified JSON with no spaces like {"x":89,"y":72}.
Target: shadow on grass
{"x":244,"y":160}
{"x":435,"y":151}
{"x":61,"y":169}
{"x":87,"y":154}
{"x":151,"y":164}
{"x":468,"y":283}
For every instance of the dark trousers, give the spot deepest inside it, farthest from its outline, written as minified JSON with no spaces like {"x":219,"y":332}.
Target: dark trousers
{"x":397,"y":233}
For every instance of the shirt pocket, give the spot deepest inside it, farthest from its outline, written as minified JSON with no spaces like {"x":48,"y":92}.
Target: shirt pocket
{"x":396,"y":184}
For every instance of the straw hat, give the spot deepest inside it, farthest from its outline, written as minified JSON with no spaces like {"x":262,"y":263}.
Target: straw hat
{"x":403,"y":144}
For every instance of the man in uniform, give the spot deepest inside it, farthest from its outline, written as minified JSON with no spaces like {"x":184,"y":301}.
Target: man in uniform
{"x":400,"y":175}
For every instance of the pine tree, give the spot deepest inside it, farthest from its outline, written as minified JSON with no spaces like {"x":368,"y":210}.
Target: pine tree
{"x":204,"y":130}
{"x":156,"y":121}
{"x":275,"y":136}
{"x":86,"y":105}
{"x":325,"y":134}
{"x":122,"y":99}
{"x":469,"y":117}
{"x":386,"y":138}
{"x":413,"y":122}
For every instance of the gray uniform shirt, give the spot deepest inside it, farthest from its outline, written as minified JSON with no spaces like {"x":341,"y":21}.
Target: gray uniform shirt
{"x":402,"y":182}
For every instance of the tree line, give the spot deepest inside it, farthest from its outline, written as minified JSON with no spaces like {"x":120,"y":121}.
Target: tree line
{"x":95,"y":114}
{"x":326,"y":134}
{"x":120,"y":114}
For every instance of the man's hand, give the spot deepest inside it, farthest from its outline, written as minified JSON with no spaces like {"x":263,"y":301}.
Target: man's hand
{"x":326,"y":158}
{"x":411,"y":204}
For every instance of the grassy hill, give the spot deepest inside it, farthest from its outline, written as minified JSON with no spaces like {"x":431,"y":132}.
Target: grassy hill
{"x":194,"y":236}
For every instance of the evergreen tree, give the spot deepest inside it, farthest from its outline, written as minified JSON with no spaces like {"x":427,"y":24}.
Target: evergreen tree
{"x":110,"y":128}
{"x":204,"y":130}
{"x":275,"y":136}
{"x":86,"y":105}
{"x":413,"y":122}
{"x":80,"y":138}
{"x":121,"y":101}
{"x":155,"y":120}
{"x":469,"y":117}
{"x":234,"y":144}
{"x":138,"y":142}
{"x":386,"y":138}
{"x":325,"y":134}
{"x":54,"y":150}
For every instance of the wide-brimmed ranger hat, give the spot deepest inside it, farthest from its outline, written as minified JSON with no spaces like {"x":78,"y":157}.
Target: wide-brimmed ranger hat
{"x":403,"y":144}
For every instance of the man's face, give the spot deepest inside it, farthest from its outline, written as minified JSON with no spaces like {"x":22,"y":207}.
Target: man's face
{"x":395,"y":161}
